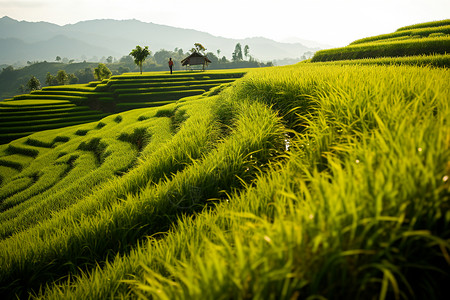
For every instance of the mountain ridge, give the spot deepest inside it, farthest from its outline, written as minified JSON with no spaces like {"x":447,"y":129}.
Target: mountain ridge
{"x":118,"y":37}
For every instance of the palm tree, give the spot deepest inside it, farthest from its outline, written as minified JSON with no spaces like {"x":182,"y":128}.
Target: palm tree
{"x":140,"y":54}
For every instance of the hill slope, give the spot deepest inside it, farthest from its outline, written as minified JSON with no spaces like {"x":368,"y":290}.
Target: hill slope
{"x":308,"y":181}
{"x":425,"y":39}
{"x":92,"y":201}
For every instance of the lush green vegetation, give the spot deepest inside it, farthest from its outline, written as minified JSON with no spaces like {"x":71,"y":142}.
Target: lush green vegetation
{"x":312,"y":181}
{"x":438,"y":60}
{"x":427,"y":39}
{"x":98,"y":98}
{"x":13,"y":81}
{"x":427,"y":24}
{"x":418,"y":33}
{"x":20,"y":118}
{"x":208,"y":202}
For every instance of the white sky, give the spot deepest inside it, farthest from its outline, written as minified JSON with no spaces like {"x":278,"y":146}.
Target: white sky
{"x":334,"y":22}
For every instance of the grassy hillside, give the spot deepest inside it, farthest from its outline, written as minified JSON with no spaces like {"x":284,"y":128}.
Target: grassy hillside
{"x":313,"y":181}
{"x":296,"y":181}
{"x":426,"y":39}
{"x":59,"y":106}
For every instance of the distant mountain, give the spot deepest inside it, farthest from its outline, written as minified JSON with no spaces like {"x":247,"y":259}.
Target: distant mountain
{"x":28,"y":41}
{"x":13,"y":49}
{"x":307,"y":43}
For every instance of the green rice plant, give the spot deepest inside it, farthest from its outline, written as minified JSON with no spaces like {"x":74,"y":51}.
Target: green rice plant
{"x":15,"y":186}
{"x":77,"y":176}
{"x":72,"y":87}
{"x":46,"y":141}
{"x":205,"y":86}
{"x":61,"y":139}
{"x":118,"y":119}
{"x":62,"y":93}
{"x":8,"y":137}
{"x":358,"y":211}
{"x":7,"y":173}
{"x":27,"y":151}
{"x":49,"y":125}
{"x":139,"y":138}
{"x":46,"y":193}
{"x":14,"y":164}
{"x":428,"y":46}
{"x":101,"y":87}
{"x":46,"y":115}
{"x":228,"y":160}
{"x":31,"y":123}
{"x":128,"y":85}
{"x":49,"y":97}
{"x":440,"y":61}
{"x":35,"y":102}
{"x":100,"y":125}
{"x":32,"y":111}
{"x":427,"y":24}
{"x":307,"y":181}
{"x":20,"y":109}
{"x":96,"y":147}
{"x":43,"y":181}
{"x":158,"y":96}
{"x":217,"y":89}
{"x":411,"y":33}
{"x":93,"y":84}
{"x":127,"y":106}
{"x":38,"y":143}
{"x":81,"y":132}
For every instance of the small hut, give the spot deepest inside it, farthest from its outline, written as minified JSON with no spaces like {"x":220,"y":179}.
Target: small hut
{"x":195,"y":59}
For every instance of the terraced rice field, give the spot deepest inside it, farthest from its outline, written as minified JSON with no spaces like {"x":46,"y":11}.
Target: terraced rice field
{"x":59,"y":106}
{"x":427,"y":39}
{"x":22,"y":117}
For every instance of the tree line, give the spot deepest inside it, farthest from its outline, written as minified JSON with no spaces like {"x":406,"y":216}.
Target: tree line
{"x":240,"y":58}
{"x":62,"y":78}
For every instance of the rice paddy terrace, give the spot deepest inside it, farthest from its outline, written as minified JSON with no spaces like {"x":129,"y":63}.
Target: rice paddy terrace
{"x":327,"y":180}
{"x":58,"y":106}
{"x":421,"y":44}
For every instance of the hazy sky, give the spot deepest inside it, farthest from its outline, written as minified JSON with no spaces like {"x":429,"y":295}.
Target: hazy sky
{"x":334,"y":22}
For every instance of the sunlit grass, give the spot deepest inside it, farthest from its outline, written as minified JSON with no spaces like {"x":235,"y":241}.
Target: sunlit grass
{"x":214,"y":207}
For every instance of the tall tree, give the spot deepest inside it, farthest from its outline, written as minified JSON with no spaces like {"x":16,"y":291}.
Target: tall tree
{"x":199,"y":48}
{"x":62,"y":77}
{"x":246,"y":51}
{"x":84,"y":76}
{"x":73,"y":79}
{"x":237,"y":54}
{"x":50,"y":79}
{"x":102,"y":72}
{"x":58,"y":58}
{"x":162,"y":56}
{"x":140,"y":54}
{"x":33,"y":84}
{"x":212,"y":57}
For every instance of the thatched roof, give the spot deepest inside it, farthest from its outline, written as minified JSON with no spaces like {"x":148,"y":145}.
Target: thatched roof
{"x":195,"y":59}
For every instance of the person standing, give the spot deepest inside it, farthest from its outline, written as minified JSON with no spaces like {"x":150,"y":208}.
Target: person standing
{"x":170,"y":64}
